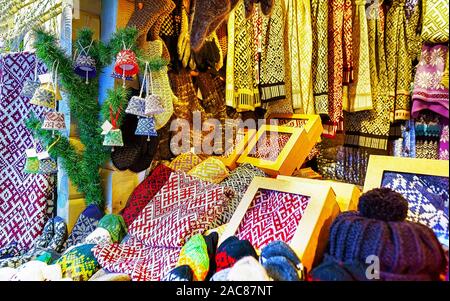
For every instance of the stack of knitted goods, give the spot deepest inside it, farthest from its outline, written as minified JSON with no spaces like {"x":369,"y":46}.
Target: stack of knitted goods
{"x":377,"y":243}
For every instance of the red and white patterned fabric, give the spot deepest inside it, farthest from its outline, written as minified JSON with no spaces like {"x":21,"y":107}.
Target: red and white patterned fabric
{"x":272,"y":215}
{"x":270,"y":146}
{"x":141,"y":262}
{"x":26,"y":201}
{"x":184,"y":206}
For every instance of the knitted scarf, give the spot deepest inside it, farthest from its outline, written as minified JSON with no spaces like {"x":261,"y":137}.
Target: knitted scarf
{"x":319,"y":23}
{"x":370,"y":129}
{"x":242,"y":90}
{"x":360,"y":95}
{"x":398,"y":61}
{"x":300,"y":49}
{"x":339,"y":48}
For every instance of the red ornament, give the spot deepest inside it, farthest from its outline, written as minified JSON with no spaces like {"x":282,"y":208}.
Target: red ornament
{"x":126,"y":63}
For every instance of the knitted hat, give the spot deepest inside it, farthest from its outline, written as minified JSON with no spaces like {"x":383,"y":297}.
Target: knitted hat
{"x":332,"y":270}
{"x":279,"y":268}
{"x":281,"y":262}
{"x":195,"y":254}
{"x":211,"y":241}
{"x":247,"y":269}
{"x":115,"y":225}
{"x":406,"y":250}
{"x":231,"y":250}
{"x":221,"y":276}
{"x":180,"y":273}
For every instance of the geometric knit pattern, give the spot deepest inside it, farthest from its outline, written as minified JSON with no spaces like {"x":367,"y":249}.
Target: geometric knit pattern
{"x":211,"y":170}
{"x":270,"y":146}
{"x":182,"y":208}
{"x":271,"y":216}
{"x":185,"y":162}
{"x":85,"y":225}
{"x":239,"y":180}
{"x":435,"y":21}
{"x":26,"y":201}
{"x":319,"y":23}
{"x":79,"y":263}
{"x":145,"y":192}
{"x":134,"y":258}
{"x":428,"y":199}
{"x":195,"y":254}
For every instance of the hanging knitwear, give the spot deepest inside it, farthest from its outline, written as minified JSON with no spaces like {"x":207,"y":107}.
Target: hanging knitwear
{"x":429,"y":93}
{"x":300,"y":49}
{"x":272,"y":67}
{"x":242,"y":90}
{"x":319,"y":24}
{"x":360,"y":95}
{"x":413,"y":28}
{"x":398,"y":61}
{"x":339,"y":48}
{"x":443,"y":143}
{"x":370,"y":129}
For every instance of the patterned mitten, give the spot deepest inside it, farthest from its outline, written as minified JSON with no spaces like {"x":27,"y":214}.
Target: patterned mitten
{"x":267,"y":6}
{"x":46,"y":236}
{"x":59,"y":236}
{"x":151,"y":12}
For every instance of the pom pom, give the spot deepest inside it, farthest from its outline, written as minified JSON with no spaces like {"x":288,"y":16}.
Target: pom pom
{"x":383,"y":204}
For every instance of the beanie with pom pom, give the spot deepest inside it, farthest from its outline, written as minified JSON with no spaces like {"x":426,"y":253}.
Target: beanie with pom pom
{"x":406,"y":250}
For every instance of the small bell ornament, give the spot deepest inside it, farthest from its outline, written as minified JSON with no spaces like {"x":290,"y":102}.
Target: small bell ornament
{"x":126,"y":63}
{"x":113,"y":138}
{"x":30,"y":86}
{"x":152,"y":101}
{"x":47,"y":165}
{"x":146,"y":127}
{"x":84,"y":64}
{"x":48,"y":92}
{"x":54,"y":121}
{"x":136,"y":105}
{"x":32,"y":161}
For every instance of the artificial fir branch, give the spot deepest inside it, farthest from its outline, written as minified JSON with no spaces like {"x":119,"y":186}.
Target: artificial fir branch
{"x":82,"y":169}
{"x":117,"y":100}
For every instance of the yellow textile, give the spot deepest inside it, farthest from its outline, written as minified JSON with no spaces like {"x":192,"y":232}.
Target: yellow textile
{"x":360,"y":94}
{"x":300,"y":49}
{"x":211,"y":170}
{"x":445,"y":77}
{"x":185,"y":162}
{"x":435,"y":21}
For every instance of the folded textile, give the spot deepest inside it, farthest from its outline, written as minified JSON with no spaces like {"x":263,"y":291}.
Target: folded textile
{"x":85,"y":225}
{"x":144,"y":192}
{"x":185,"y":162}
{"x":142,"y":263}
{"x":182,"y":208}
{"x":211,"y":170}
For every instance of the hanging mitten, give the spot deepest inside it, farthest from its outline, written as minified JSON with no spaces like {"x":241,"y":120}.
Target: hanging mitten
{"x":207,"y":14}
{"x":267,"y":6}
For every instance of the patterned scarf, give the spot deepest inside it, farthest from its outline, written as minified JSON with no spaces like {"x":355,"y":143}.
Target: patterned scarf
{"x":340,"y":57}
{"x":300,"y":49}
{"x":370,"y":129}
{"x":319,"y":22}
{"x":360,"y":94}
{"x":398,"y":61}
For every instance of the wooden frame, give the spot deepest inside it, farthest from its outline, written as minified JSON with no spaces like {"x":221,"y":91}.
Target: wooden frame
{"x":347,"y":195}
{"x":313,"y":126}
{"x":292,"y":155}
{"x":312,"y":232}
{"x":380,"y":164}
{"x":231,"y":160}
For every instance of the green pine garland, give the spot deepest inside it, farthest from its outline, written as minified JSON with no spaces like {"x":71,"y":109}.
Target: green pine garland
{"x":82,"y":168}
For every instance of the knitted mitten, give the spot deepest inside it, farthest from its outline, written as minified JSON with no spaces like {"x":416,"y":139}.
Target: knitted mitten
{"x":151,"y":12}
{"x":249,"y":8}
{"x":60,"y":235}
{"x":267,"y":6}
{"x":207,"y":16}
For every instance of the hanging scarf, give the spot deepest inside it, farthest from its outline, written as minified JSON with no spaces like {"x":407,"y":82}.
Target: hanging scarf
{"x":370,"y":129}
{"x":300,"y":49}
{"x":339,"y":48}
{"x":360,"y":95}
{"x":319,"y":24}
{"x":398,"y":61}
{"x":413,"y":28}
{"x":272,"y":65}
{"x":242,"y":91}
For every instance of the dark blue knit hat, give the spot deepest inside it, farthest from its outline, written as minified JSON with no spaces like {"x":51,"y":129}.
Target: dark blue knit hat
{"x":406,"y":250}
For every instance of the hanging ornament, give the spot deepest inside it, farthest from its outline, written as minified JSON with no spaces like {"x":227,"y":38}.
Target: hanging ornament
{"x":146,"y":127}
{"x":32,"y":161}
{"x":126,"y":63}
{"x":48,"y":92}
{"x":47,"y":165}
{"x":113,"y":135}
{"x":136,"y":105}
{"x":54,"y":121}
{"x":152,"y":101}
{"x":30,"y":86}
{"x":84,"y":64}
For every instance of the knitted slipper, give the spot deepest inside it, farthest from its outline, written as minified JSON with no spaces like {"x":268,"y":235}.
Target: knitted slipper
{"x":44,"y":239}
{"x":150,"y":13}
{"x":60,"y":235}
{"x":148,"y":150}
{"x":206,"y":13}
